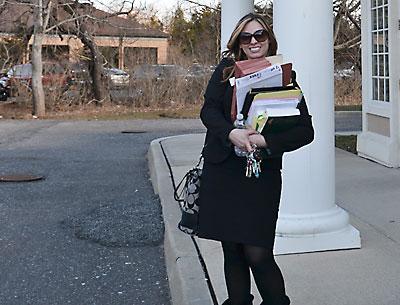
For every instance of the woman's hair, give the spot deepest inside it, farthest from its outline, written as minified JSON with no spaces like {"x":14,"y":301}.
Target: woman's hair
{"x":234,"y":51}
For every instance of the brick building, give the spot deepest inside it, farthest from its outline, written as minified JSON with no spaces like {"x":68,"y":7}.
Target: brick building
{"x":123,"y":42}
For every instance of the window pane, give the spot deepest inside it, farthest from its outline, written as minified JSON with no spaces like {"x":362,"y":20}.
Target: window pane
{"x":385,"y":1}
{"x":386,"y":65}
{"x":374,"y":42}
{"x":387,"y":91}
{"x":374,"y":19}
{"x":381,"y":89}
{"x":381,"y":65}
{"x":386,"y":41}
{"x":380,"y":42}
{"x":380,"y":2}
{"x":375,"y":88}
{"x":380,"y":18}
{"x":374,"y":65}
{"x":386,"y":17}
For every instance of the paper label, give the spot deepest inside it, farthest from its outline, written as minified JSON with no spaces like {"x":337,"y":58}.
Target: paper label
{"x":268,"y":77}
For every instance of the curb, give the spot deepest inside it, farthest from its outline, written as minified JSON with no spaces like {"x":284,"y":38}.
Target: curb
{"x":347,"y":133}
{"x":348,"y":111}
{"x":187,"y":282}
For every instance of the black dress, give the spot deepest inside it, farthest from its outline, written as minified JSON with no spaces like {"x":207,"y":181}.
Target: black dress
{"x":233,"y":207}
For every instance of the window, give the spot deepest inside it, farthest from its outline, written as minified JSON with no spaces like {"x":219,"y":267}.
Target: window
{"x":380,"y":50}
{"x":137,"y":56}
{"x":110,"y":56}
{"x":54,"y":52}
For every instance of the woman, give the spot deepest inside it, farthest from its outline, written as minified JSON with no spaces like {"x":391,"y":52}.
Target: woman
{"x":242,"y":212}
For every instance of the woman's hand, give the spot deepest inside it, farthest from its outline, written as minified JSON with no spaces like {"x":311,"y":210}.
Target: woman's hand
{"x":241,"y":138}
{"x":258,"y":139}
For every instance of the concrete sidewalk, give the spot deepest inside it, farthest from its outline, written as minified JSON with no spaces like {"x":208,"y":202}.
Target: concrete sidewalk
{"x":367,"y":276}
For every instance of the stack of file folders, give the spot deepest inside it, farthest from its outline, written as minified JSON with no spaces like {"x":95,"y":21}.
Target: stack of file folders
{"x":266,"y":96}
{"x":272,"y":109}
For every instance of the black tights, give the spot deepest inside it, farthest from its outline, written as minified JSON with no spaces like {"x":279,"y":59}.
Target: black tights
{"x":238,"y":260}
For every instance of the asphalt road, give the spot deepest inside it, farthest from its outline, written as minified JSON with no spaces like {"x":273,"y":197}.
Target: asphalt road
{"x":348,"y":121}
{"x":91,"y":232}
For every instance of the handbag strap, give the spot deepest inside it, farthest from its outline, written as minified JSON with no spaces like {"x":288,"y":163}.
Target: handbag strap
{"x":177,"y":194}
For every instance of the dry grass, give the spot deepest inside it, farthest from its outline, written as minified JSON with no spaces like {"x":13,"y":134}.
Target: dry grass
{"x":147,"y":97}
{"x":348,"y":91}
{"x":175,"y":92}
{"x":109,"y":111}
{"x":119,"y":112}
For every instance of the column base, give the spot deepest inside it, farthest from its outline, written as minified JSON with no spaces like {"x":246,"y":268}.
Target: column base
{"x":328,"y":230}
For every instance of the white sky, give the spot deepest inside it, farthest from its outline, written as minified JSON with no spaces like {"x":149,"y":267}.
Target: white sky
{"x":162,"y":7}
{"x":171,"y":4}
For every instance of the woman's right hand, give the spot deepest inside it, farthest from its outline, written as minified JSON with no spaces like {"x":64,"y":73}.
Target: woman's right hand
{"x":241,"y":138}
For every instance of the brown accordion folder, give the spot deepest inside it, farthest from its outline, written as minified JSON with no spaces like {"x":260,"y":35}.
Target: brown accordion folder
{"x":246,"y":67}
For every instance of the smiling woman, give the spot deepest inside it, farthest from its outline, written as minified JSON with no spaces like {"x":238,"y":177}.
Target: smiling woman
{"x":239,"y":210}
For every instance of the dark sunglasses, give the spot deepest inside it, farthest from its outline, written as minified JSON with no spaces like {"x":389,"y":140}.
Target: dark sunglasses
{"x":259,"y":35}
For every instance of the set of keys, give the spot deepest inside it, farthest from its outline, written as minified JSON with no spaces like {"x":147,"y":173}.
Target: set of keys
{"x":253,"y":166}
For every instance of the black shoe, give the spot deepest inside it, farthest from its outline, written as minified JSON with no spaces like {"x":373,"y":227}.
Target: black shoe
{"x":249,"y":302}
{"x":284,"y":301}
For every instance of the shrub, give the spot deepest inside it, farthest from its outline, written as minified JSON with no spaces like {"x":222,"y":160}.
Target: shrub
{"x":348,"y":90}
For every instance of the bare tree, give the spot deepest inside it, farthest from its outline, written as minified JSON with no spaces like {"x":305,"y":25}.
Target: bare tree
{"x":347,"y":31}
{"x":40,"y":23}
{"x":75,"y":20}
{"x":65,"y":17}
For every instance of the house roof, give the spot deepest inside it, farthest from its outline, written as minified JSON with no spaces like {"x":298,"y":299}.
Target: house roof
{"x":15,"y":17}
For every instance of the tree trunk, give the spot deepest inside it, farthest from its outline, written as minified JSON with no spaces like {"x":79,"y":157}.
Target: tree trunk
{"x":100,"y":91}
{"x":38,"y":100}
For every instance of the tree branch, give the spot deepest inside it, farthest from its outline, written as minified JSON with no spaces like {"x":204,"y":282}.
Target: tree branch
{"x":47,"y":17}
{"x":353,"y":21}
{"x":355,"y":7}
{"x":350,"y":43}
{"x":202,"y":5}
{"x":338,"y":19}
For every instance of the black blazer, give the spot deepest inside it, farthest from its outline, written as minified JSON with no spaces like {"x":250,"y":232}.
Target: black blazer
{"x":216,"y":116}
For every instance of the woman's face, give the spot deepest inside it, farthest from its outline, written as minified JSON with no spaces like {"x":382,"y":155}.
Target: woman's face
{"x":250,"y":46}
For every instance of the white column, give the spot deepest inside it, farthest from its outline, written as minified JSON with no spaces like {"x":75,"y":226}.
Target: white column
{"x":231,"y":12}
{"x":309,"y":219}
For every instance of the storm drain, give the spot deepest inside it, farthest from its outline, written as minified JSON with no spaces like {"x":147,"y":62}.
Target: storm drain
{"x":133,"y":131}
{"x":20,"y":178}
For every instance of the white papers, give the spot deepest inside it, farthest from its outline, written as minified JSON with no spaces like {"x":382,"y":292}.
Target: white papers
{"x":268,"y":77}
{"x":273,"y":108}
{"x":276,"y":103}
{"x":281,"y":112}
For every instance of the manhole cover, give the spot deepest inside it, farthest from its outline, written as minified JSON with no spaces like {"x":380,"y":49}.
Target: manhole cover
{"x":133,"y":131}
{"x":19,"y":178}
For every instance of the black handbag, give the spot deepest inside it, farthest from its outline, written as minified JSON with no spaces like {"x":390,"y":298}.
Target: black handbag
{"x":187,"y":194}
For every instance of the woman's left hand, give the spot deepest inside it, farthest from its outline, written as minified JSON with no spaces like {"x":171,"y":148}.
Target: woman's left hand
{"x":258,"y":140}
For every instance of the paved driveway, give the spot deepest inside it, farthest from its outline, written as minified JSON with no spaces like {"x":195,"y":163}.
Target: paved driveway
{"x":92,"y":231}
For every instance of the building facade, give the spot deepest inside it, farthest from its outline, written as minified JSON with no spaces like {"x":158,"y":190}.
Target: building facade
{"x":123,"y":42}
